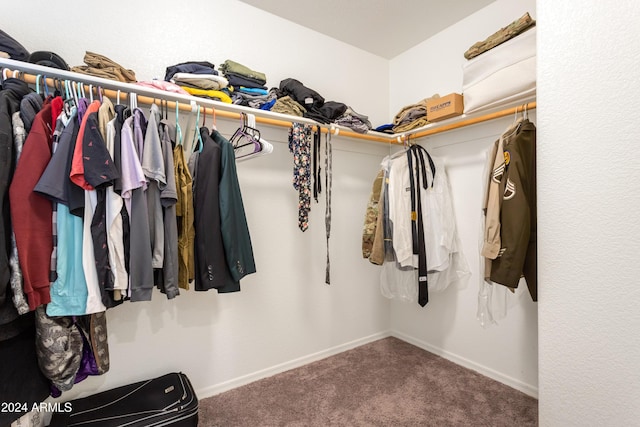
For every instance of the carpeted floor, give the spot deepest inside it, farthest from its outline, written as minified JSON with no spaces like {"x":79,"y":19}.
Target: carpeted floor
{"x":384,"y":383}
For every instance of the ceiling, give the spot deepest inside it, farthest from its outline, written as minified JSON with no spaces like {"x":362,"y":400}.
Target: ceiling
{"x":383,"y":27}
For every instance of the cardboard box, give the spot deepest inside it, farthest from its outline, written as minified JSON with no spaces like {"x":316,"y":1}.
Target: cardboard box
{"x":444,"y":107}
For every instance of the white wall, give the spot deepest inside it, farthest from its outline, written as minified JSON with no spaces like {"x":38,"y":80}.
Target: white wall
{"x":448,"y":325}
{"x":589,"y":231}
{"x":148,"y":37}
{"x":435,"y":65}
{"x":285,"y":314}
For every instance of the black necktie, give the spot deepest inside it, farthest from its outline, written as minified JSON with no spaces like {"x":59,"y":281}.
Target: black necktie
{"x":417,"y":224}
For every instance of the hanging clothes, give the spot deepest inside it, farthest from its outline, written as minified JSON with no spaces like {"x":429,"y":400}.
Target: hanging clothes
{"x":510,"y":210}
{"x":31,"y":213}
{"x":22,"y":380}
{"x":140,"y":263}
{"x":168,"y":283}
{"x":184,"y":215}
{"x":69,"y":290}
{"x":233,"y":222}
{"x":210,"y":261}
{"x":19,"y":298}
{"x":153,"y":168}
{"x":114,"y":206}
{"x":13,"y":90}
{"x":422,"y":250}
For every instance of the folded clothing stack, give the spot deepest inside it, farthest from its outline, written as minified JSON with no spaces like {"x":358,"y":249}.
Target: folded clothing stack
{"x":300,"y":98}
{"x":254,"y":97}
{"x":199,"y":78}
{"x":101,"y":66}
{"x":287,"y":105}
{"x":240,"y":75}
{"x":357,"y":122}
{"x":412,"y":116}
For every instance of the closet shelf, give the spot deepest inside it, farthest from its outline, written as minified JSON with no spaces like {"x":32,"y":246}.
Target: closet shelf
{"x":31,"y":73}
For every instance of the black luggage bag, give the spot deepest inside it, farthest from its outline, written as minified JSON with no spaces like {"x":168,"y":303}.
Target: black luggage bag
{"x":168,"y":400}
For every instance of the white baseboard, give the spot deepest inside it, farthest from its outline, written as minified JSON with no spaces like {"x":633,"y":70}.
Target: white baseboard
{"x":527,"y":389}
{"x":282,"y":367}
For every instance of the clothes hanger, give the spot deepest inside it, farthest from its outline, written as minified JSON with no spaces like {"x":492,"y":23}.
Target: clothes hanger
{"x":245,"y":131}
{"x":57,"y":85}
{"x":213,"y":125}
{"x":38,"y":83}
{"x":76,"y":92}
{"x":45,"y":86}
{"x":133,"y":101}
{"x":178,"y":129}
{"x":515,"y":126}
{"x":258,"y":146}
{"x":69,"y":105}
{"x":200,"y":143}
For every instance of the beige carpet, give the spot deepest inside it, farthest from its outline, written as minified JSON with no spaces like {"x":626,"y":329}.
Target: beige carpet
{"x":385,"y":383}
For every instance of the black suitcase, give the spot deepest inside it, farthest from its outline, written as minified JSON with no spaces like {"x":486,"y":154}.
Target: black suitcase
{"x":168,"y":400}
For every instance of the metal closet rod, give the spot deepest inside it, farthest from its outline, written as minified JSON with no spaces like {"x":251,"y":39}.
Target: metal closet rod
{"x":30,"y":73}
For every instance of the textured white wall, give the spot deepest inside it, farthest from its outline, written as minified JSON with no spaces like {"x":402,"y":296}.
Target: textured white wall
{"x":285,"y":313}
{"x":588,"y":202}
{"x":447,"y":325}
{"x":149,"y":36}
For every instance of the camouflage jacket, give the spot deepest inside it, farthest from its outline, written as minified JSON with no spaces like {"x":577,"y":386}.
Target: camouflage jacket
{"x":371,"y":216}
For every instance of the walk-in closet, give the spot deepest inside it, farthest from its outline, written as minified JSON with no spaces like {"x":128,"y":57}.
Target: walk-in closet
{"x":303,"y":293}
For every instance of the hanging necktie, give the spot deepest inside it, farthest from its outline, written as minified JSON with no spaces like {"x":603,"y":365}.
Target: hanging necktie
{"x":328,"y":166}
{"x":317,"y":169}
{"x":416,"y":153}
{"x":300,"y":147}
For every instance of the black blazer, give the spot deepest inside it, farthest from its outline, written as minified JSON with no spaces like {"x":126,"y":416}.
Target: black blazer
{"x":210,"y":263}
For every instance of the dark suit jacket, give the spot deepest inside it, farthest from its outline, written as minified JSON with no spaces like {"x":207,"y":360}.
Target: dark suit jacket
{"x":211,"y":265}
{"x":235,"y":231}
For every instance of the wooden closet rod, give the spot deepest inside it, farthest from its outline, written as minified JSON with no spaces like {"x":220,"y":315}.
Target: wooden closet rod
{"x":31,"y":72}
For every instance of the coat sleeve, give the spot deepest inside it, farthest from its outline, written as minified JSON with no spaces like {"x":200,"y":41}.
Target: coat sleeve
{"x":31,"y":213}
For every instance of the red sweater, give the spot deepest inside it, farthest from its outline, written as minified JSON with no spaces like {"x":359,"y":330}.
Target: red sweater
{"x":31,"y":213}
